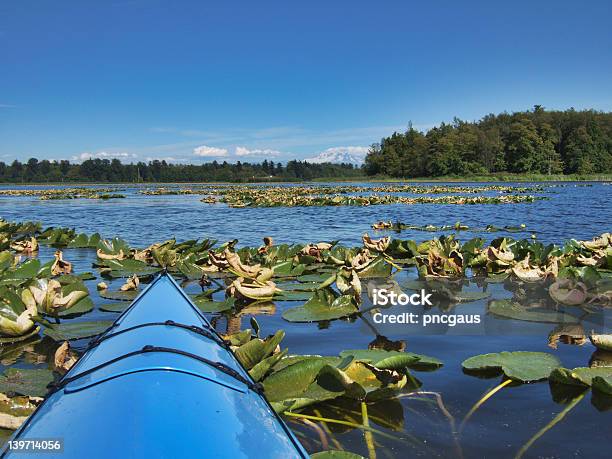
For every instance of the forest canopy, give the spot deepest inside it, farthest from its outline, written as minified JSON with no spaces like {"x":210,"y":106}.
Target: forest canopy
{"x":536,"y":142}
{"x":531,"y":142}
{"x":105,"y":170}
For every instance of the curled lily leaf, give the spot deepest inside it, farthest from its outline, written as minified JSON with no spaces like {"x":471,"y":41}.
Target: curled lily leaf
{"x":47,"y":296}
{"x":268,"y":243}
{"x":131,"y":284}
{"x":60,"y":266}
{"x":602,"y":341}
{"x":112,"y":250}
{"x":314,"y":250}
{"x":64,"y":358}
{"x":377,"y":245}
{"x":567,"y":334}
{"x":26,"y":247}
{"x":382,"y":225}
{"x":16,"y":316}
{"x":568,"y":292}
{"x":362,"y":260}
{"x":601,"y":242}
{"x":239,"y":288}
{"x":525,"y":272}
{"x":218,"y":260}
{"x":102,"y":286}
{"x":240,"y":269}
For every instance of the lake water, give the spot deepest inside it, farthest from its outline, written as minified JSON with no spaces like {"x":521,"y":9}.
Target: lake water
{"x":500,"y":427}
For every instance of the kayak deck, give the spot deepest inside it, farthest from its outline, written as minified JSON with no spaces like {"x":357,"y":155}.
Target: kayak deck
{"x":152,"y":388}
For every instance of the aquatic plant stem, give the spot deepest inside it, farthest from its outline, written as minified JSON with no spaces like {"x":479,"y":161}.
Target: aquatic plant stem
{"x":447,"y":414}
{"x":369,"y":438}
{"x":329,"y":433}
{"x":479,"y":403}
{"x":558,"y":418}
{"x":338,"y":421}
{"x":319,"y":432}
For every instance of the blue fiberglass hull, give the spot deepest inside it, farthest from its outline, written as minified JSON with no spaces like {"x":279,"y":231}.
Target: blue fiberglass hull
{"x":159,"y":404}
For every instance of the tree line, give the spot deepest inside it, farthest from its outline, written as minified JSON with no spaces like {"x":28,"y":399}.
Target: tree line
{"x":531,"y":142}
{"x":105,"y":170}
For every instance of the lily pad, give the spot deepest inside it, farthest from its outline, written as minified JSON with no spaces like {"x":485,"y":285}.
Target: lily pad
{"x":76,"y":330}
{"x":208,"y":305}
{"x":509,"y":309}
{"x":16,"y":339}
{"x":25,"y":381}
{"x":603,"y":342}
{"x":323,"y":305}
{"x":293,"y":295}
{"x":519,"y":366}
{"x":115,"y":307}
{"x":602,"y":384}
{"x":393,"y":359}
{"x":118,"y":295}
{"x":582,"y":376}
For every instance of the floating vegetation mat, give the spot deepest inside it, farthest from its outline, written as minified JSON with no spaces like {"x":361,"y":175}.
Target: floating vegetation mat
{"x":318,"y":281}
{"x":311,"y":196}
{"x":66,"y":193}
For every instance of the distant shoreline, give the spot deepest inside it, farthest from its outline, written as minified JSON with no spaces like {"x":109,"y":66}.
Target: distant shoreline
{"x":509,"y":178}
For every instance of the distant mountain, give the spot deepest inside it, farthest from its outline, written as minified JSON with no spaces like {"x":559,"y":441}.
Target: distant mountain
{"x":339,"y":155}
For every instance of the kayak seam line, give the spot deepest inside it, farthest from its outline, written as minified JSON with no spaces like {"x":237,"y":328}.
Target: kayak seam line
{"x":170,"y":323}
{"x":256,"y":387}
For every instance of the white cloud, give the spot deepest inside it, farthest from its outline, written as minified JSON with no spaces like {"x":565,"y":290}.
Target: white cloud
{"x":203,"y":150}
{"x":103,"y":155}
{"x":243,"y":151}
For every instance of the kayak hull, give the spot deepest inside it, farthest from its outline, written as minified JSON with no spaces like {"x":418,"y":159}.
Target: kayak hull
{"x":159,"y":404}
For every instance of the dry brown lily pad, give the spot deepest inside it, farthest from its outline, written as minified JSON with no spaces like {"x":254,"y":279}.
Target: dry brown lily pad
{"x":26,"y":247}
{"x":252,"y":290}
{"x":131,"y":284}
{"x":568,"y":292}
{"x":382,"y":225}
{"x":567,"y":334}
{"x":64,"y":358}
{"x":15,"y":410}
{"x":268,"y":243}
{"x":378,"y":245}
{"x":60,"y":266}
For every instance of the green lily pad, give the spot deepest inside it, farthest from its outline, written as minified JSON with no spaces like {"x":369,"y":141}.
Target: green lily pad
{"x":293,"y":295}
{"x":118,"y":295}
{"x":17,"y":339}
{"x":323,"y":305}
{"x":602,"y":384}
{"x":293,"y":380}
{"x":114,"y":307}
{"x":519,"y":366}
{"x":393,"y":359}
{"x":582,"y":376}
{"x":208,"y":305}
{"x":76,"y":330}
{"x":26,"y":382}
{"x":509,"y":309}
{"x":128,"y":267}
{"x":378,"y":268}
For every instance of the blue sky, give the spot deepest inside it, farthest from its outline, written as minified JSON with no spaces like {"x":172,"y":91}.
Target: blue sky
{"x":196,"y":81}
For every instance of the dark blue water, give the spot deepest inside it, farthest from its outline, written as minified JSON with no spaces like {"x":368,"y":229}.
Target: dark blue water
{"x":502,"y":424}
